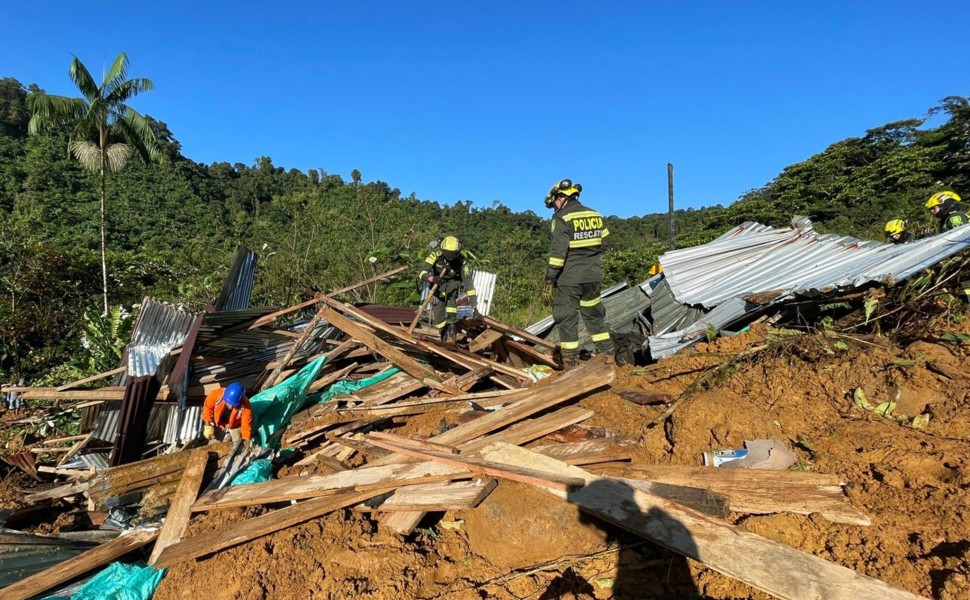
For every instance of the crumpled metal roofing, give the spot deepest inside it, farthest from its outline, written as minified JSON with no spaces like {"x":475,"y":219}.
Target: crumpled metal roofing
{"x":754,"y":258}
{"x":237,"y":289}
{"x":543,"y":325}
{"x":160,"y":328}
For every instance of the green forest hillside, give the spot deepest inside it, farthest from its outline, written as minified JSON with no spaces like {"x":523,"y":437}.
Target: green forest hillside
{"x":173,"y":226}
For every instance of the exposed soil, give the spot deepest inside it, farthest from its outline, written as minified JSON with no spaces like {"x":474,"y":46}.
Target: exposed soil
{"x":521,"y":543}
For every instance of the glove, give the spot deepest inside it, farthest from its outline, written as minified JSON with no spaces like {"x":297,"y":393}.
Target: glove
{"x":209,"y":432}
{"x":434,"y":279}
{"x":547,"y":291}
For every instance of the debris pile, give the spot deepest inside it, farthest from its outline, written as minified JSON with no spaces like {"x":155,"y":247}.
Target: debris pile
{"x":364,"y":420}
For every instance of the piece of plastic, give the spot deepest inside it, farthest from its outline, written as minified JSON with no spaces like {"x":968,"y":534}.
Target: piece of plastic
{"x":119,"y":581}
{"x":346,"y":386}
{"x":273,"y":408}
{"x":258,"y":471}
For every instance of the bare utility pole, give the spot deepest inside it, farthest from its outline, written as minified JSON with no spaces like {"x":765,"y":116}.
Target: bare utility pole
{"x":670,"y":201}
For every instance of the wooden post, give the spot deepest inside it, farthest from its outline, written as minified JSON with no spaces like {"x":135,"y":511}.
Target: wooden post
{"x":670,"y":202}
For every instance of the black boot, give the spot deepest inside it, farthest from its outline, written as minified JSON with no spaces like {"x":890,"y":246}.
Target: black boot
{"x":451,"y":333}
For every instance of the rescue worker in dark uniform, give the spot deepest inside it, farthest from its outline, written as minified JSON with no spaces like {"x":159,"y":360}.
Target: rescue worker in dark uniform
{"x":446,"y":267}
{"x":574,"y":276}
{"x":946,"y":207}
{"x":897,"y":233}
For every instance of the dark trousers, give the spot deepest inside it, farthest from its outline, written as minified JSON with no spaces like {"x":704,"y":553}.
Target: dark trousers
{"x":570,"y":301}
{"x":444,"y":306}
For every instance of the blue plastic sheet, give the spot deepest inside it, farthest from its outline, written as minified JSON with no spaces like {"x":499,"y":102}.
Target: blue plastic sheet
{"x":257,"y":471}
{"x":273,"y":408}
{"x":346,"y":386}
{"x":119,"y":581}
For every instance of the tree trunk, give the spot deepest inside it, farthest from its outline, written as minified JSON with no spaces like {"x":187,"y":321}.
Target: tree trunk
{"x":104,"y":259}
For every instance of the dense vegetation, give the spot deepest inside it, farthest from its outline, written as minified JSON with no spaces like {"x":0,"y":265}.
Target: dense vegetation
{"x":172,"y":226}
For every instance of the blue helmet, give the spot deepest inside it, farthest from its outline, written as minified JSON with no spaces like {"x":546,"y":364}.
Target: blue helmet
{"x":233,"y":396}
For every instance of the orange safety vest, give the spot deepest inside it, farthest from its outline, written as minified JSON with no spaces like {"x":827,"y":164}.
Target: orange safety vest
{"x":217,"y":412}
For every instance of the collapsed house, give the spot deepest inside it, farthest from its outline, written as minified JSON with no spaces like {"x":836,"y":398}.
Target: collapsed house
{"x":338,"y":386}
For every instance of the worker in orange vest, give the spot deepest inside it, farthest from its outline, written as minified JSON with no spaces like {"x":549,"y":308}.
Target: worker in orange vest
{"x":228,"y":410}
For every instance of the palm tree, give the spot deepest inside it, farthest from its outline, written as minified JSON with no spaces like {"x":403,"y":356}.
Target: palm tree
{"x":105,"y":130}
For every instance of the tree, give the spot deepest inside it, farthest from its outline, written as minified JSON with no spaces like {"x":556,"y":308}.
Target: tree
{"x":103,"y":116}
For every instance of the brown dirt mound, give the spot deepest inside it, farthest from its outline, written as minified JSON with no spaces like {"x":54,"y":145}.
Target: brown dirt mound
{"x":522,"y":544}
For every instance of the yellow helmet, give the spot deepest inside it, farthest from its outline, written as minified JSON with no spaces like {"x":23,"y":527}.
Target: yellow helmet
{"x":566,"y":187}
{"x":450,"y":246}
{"x":895,"y":226}
{"x":941,"y":197}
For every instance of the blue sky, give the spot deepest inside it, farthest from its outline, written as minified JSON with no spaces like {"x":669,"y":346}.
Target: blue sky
{"x":487,"y":101}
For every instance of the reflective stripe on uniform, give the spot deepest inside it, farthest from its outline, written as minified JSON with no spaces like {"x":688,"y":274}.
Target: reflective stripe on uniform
{"x":606,"y":232}
{"x":584,"y":243}
{"x":600,"y":337}
{"x":441,"y":324}
{"x":580,"y":215}
{"x":588,"y":303}
{"x":557,"y":262}
{"x":470,"y":293}
{"x":570,"y":345}
{"x":452,"y":310}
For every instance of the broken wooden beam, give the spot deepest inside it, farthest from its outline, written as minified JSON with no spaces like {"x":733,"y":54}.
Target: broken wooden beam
{"x":238,"y":533}
{"x":180,"y":508}
{"x":399,"y":358}
{"x":435,"y":497}
{"x":764,"y":564}
{"x":522,"y":474}
{"x":755,"y":491}
{"x":312,"y":486}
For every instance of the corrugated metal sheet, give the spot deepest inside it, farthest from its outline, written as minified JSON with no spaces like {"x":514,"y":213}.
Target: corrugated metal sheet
{"x":622,"y":310}
{"x":753,"y":258}
{"x":545,"y":324}
{"x":238,"y":286}
{"x":667,"y":314}
{"x":756,"y":259}
{"x":484,"y":290}
{"x":24,"y":554}
{"x":719,"y":318}
{"x":107,"y":427}
{"x":160,"y":328}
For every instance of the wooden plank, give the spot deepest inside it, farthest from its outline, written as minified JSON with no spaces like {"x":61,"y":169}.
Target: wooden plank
{"x":180,"y":508}
{"x":587,"y":452}
{"x":312,"y":486}
{"x":305,"y":334}
{"x":319,"y":297}
{"x":37,"y":584}
{"x":764,"y":564}
{"x":470,"y":361}
{"x":426,"y":403}
{"x":68,"y":386}
{"x":238,"y":533}
{"x":592,"y":375}
{"x":64,"y":491}
{"x":330,"y":378}
{"x":405,"y":362}
{"x":521,"y":333}
{"x":525,"y":475}
{"x":528,"y":430}
{"x":434,"y":497}
{"x":400,"y":440}
{"x":486,"y":339}
{"x":530,"y":352}
{"x":753,"y":491}
{"x":81,"y":443}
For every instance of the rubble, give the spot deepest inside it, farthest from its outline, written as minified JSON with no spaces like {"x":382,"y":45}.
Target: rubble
{"x":360,"y":449}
